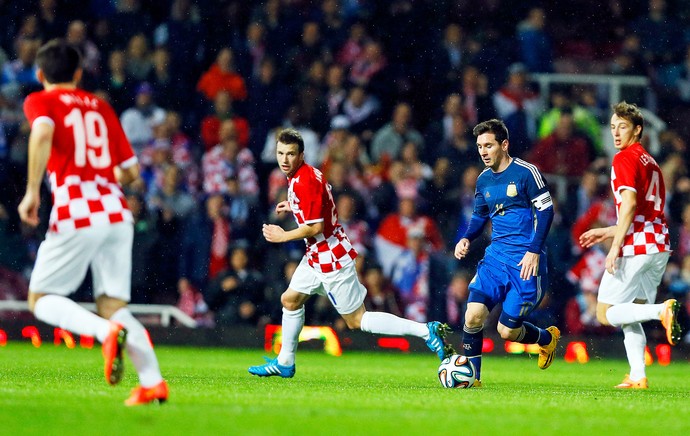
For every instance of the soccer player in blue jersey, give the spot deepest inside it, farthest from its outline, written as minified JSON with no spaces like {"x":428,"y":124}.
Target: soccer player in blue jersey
{"x":513,"y":195}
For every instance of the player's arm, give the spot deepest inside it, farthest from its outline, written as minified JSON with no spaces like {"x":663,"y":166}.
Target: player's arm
{"x":40,"y":141}
{"x":276,"y":234}
{"x":127,"y":172}
{"x":543,"y":211}
{"x":480,"y":216}
{"x":626,"y":213}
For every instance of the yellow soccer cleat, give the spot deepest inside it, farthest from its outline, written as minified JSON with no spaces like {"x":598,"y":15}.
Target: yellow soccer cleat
{"x":547,"y":352}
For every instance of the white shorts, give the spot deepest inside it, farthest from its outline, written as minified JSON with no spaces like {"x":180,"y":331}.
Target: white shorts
{"x":636,"y":278}
{"x":63,"y":258}
{"x":342,"y":287}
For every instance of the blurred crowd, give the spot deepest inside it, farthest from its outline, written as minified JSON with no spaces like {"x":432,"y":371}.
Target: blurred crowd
{"x":385,"y":95}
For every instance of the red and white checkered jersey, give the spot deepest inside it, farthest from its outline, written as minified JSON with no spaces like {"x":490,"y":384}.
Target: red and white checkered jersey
{"x":634,"y":169}
{"x":88,"y":143}
{"x":311,"y":201}
{"x":217,"y":169}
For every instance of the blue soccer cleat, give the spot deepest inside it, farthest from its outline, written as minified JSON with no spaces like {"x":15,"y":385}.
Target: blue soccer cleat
{"x":436,"y":341}
{"x":271,"y":368}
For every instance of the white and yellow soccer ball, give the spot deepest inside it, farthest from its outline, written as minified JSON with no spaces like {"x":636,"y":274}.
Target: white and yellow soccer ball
{"x":457,"y":371}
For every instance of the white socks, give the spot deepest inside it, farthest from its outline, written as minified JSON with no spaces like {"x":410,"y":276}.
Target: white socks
{"x":293,"y":321}
{"x":630,"y":313}
{"x":388,"y":324}
{"x":635,"y":342}
{"x":139,"y":348}
{"x":62,"y":312}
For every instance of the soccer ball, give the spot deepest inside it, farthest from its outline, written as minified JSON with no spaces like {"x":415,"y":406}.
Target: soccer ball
{"x":457,"y":371}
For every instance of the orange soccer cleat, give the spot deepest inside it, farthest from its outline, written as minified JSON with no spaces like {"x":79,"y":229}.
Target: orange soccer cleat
{"x":141,"y":395}
{"x":669,"y":319}
{"x":627,"y":383}
{"x":112,"y":353}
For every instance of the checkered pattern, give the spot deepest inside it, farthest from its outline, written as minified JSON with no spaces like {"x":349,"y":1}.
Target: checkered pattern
{"x":78,"y":204}
{"x":311,"y":201}
{"x":634,"y":169}
{"x":332,"y":253}
{"x":645,"y":237}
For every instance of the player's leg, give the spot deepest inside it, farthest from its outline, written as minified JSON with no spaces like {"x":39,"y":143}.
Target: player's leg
{"x":60,"y":267}
{"x":473,"y":333}
{"x":111,"y":271}
{"x":347,"y":293}
{"x":635,"y":342}
{"x":639,"y":277}
{"x":521,"y":299}
{"x":303,"y":284}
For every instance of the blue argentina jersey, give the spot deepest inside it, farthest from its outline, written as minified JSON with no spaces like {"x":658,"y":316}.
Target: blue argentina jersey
{"x":509,"y":199}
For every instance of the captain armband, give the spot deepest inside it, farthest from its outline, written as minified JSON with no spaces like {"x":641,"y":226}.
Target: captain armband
{"x":543,"y":201}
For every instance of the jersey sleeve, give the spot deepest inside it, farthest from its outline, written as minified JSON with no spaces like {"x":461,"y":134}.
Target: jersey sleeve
{"x":480,"y":216}
{"x":36,"y":107}
{"x":538,"y":190}
{"x":310,"y":194}
{"x":624,"y":172}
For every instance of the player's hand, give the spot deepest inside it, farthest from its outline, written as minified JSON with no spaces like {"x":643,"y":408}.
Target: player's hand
{"x":593,"y":236}
{"x":462,"y":248}
{"x":282,"y":207}
{"x":28,"y":208}
{"x":530,"y":265}
{"x":611,"y":260}
{"x":273,"y":233}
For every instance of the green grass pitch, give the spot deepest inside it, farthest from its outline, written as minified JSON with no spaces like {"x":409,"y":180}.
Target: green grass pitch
{"x":55,"y":390}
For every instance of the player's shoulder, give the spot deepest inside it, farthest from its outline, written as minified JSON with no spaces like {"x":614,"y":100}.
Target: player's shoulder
{"x":527,"y":171}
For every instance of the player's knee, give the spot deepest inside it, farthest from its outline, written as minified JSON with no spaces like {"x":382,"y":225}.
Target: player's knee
{"x":474,"y":321}
{"x":353,"y":324}
{"x":33,"y":299}
{"x":289,"y":302}
{"x":107,"y":306}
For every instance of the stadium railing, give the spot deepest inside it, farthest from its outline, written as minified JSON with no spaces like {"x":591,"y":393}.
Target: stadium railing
{"x":166,"y":312}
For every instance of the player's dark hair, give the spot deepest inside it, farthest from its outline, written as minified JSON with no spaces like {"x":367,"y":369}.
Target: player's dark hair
{"x":58,"y":60}
{"x":630,"y":112}
{"x":291,"y":136}
{"x":495,"y":126}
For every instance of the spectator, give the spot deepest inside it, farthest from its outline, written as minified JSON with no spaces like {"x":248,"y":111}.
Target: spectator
{"x":476,"y":100}
{"x":353,"y":47}
{"x":268,"y":101}
{"x":223,"y":110}
{"x":381,"y":295}
{"x":391,"y":235}
{"x":91,"y":56}
{"x":417,"y":273}
{"x":222,"y":76}
{"x":362,"y":110}
{"x":252,"y":50}
{"x":20,"y":73}
{"x":206,"y":239}
{"x":144,"y":283}
{"x":389,"y":139}
{"x":228,"y":159}
{"x":566,"y":152}
{"x":335,"y":89}
{"x":456,"y":298}
{"x":119,"y":85}
{"x":535,"y":43}
{"x":449,"y":58}
{"x":138,"y":57}
{"x":192,"y":303}
{"x":166,"y":86}
{"x":519,"y":107}
{"x":237,"y":291}
{"x":369,"y":67}
{"x":139,"y":120}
